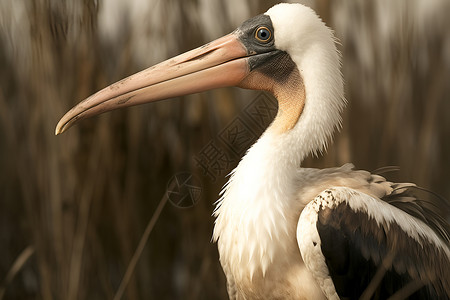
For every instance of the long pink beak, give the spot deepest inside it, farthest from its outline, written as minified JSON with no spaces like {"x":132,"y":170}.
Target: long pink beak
{"x":220,"y":63}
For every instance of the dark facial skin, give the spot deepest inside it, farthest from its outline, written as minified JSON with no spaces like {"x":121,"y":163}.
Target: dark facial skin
{"x":257,"y":35}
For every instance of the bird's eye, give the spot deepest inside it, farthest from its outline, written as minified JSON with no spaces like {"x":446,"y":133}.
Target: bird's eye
{"x":263,"y":34}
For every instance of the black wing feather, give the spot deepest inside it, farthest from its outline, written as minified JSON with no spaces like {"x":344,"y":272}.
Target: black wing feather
{"x":378,"y":261}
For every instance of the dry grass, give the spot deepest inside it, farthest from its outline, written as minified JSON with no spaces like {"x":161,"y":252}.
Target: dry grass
{"x":82,"y":200}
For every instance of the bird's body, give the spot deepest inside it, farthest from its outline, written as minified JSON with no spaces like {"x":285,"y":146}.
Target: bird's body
{"x":283,"y":231}
{"x":257,"y":234}
{"x":267,"y":263}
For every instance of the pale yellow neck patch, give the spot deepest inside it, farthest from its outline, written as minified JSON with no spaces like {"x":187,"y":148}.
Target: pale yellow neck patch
{"x":291,"y":101}
{"x":289,"y":92}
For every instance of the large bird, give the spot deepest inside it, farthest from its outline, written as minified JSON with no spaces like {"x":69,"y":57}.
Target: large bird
{"x":286,"y":232}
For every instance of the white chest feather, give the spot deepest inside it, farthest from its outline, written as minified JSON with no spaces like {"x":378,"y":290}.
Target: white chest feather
{"x":253,"y":218}
{"x":256,"y":222}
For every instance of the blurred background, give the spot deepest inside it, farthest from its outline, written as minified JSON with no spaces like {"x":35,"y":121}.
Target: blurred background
{"x":73,"y":208}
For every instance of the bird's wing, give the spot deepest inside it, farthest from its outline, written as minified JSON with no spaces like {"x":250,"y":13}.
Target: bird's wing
{"x":359,"y":246}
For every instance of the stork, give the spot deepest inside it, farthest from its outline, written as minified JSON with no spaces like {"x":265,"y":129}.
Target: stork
{"x":283,"y":231}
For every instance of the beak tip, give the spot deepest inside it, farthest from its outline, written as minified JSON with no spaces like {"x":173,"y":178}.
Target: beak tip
{"x":60,"y":128}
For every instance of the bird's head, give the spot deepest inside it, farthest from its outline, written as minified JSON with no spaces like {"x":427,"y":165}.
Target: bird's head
{"x":274,"y":52}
